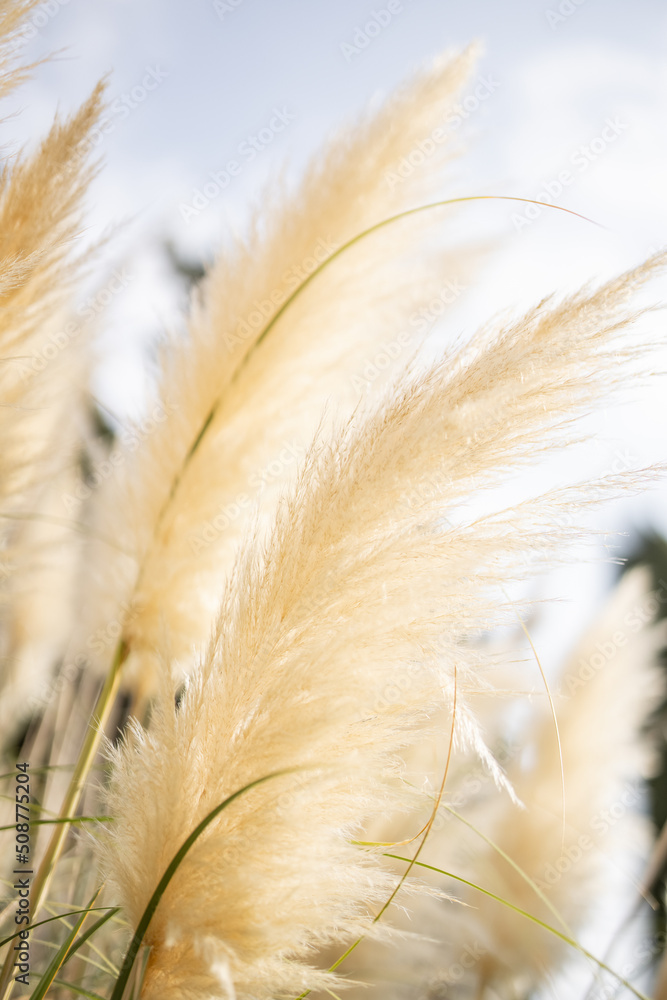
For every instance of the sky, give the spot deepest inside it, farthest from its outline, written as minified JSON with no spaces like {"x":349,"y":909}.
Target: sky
{"x":575,"y":111}
{"x":573,"y":86}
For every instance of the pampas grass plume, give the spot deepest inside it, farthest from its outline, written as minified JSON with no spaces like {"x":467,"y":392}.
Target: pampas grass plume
{"x":359,"y":579}
{"x":310,"y":676}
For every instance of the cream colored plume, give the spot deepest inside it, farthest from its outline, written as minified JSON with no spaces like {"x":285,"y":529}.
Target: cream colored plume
{"x":43,"y":362}
{"x":362,"y":588}
{"x":237,"y":408}
{"x":12,"y":17}
{"x":608,"y":689}
{"x":566,"y":847}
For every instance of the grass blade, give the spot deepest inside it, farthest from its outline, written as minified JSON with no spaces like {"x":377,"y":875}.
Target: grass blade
{"x":48,"y":920}
{"x":79,"y":990}
{"x":153,"y":902}
{"x":64,"y":819}
{"x":91,"y":930}
{"x":62,"y":954}
{"x":524,"y":913}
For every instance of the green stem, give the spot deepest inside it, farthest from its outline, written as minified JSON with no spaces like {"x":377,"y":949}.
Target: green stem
{"x":84,"y":763}
{"x":524,"y":913}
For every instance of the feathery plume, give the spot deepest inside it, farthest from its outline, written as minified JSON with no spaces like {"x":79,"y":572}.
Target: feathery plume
{"x":237,"y":407}
{"x":12,"y":15}
{"x":564,"y":846}
{"x":42,"y":367}
{"x":361,"y":585}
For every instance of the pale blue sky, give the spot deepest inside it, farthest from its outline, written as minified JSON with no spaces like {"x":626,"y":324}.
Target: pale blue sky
{"x":559,"y":77}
